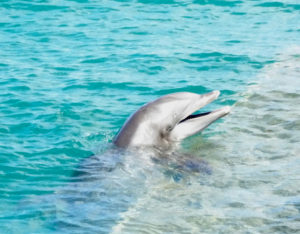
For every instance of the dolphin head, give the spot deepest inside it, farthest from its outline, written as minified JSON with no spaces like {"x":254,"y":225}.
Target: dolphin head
{"x":168,"y":119}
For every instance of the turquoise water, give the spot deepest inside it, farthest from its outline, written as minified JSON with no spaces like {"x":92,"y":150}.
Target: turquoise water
{"x":71,"y":72}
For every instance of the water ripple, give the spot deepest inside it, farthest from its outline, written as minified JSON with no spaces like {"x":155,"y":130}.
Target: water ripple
{"x":72,"y":72}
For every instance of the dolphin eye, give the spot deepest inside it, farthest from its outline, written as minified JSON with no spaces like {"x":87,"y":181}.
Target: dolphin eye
{"x":169,"y":128}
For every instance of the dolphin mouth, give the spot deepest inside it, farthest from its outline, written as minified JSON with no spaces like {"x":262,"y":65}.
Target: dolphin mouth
{"x":210,"y":97}
{"x":195,"y":116}
{"x":191,"y":123}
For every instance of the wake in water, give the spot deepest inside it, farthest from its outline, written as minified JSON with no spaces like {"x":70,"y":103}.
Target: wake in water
{"x":107,"y":185}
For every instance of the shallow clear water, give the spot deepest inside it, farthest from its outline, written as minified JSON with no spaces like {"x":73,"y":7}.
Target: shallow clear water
{"x":71,"y":72}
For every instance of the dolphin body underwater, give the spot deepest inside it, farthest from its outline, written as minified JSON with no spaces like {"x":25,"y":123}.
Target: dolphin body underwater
{"x":168,"y":120}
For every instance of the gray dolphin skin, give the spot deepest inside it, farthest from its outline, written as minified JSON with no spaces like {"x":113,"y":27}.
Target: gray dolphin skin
{"x":168,"y":120}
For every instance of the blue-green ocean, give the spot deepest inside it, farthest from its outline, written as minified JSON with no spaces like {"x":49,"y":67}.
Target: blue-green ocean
{"x":72,"y":71}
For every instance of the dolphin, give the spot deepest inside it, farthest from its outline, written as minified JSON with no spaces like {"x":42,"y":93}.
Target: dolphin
{"x":106,"y":183}
{"x":168,"y":120}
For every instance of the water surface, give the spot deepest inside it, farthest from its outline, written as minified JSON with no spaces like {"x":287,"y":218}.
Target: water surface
{"x":71,"y":72}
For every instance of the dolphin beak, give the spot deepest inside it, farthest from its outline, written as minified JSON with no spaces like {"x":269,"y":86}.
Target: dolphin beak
{"x":193,"y":124}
